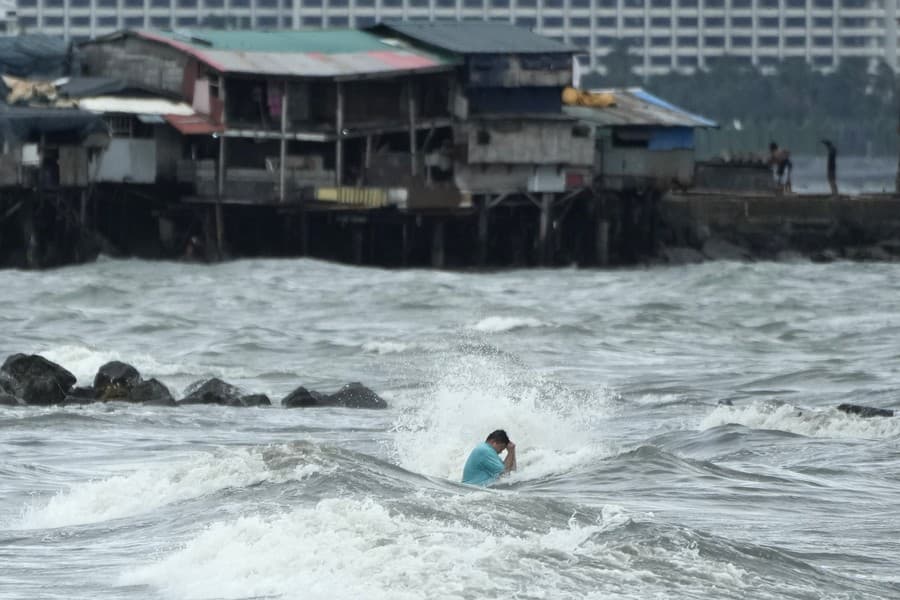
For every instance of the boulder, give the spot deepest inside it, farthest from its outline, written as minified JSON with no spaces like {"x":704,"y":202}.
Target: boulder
{"x":256,"y":400}
{"x":719,"y":249}
{"x":865,"y":411}
{"x":81,"y":395}
{"x":115,"y":379}
{"x":213,"y":391}
{"x":356,"y":395}
{"x":301,"y":397}
{"x":151,"y":392}
{"x":37,"y":380}
{"x":7,"y":399}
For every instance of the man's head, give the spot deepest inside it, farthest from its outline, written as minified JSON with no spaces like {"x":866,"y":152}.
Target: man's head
{"x":498,"y":440}
{"x":773,"y":146}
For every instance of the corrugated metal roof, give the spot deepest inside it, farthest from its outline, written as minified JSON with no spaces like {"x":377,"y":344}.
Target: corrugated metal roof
{"x":134,"y":106}
{"x":302,"y":53}
{"x":194,"y":124}
{"x":635,"y":106}
{"x":477,"y":37}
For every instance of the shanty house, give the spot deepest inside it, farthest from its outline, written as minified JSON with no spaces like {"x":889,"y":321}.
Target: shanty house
{"x":510,"y":133}
{"x":276,"y":116}
{"x":640,"y":140}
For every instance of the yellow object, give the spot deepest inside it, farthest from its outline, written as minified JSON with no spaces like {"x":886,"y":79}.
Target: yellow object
{"x":574,"y":97}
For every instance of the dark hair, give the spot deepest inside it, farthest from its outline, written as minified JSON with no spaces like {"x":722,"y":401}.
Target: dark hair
{"x":773,"y":146}
{"x":498,"y":436}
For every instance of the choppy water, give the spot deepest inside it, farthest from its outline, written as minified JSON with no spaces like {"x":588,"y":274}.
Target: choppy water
{"x":633,"y":482}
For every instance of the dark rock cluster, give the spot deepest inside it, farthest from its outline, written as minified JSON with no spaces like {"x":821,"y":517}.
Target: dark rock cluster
{"x":34,"y":380}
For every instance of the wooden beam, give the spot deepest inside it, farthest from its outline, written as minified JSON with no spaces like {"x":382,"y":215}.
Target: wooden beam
{"x":283,"y":148}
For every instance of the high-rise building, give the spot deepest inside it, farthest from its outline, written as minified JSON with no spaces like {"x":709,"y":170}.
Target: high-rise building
{"x":669,"y":34}
{"x":8,"y":22}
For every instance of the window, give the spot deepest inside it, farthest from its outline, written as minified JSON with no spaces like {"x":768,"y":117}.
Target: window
{"x":660,"y":61}
{"x":822,"y":41}
{"x":583,"y":22}
{"x":187,"y":3}
{"x":27,"y":3}
{"x":661,"y":3}
{"x":768,"y":23}
{"x":580,"y":3}
{"x":581,"y":41}
{"x":742,"y":21}
{"x":633,"y":3}
{"x":53,"y":3}
{"x":768,"y":3}
{"x":823,"y":22}
{"x":364,"y":21}
{"x":78,"y":3}
{"x":107,"y":21}
{"x":161,"y":3}
{"x":795,"y":41}
{"x":664,"y":22}
{"x":500,"y":3}
{"x":312,"y":3}
{"x":853,"y":3}
{"x":741,"y":41}
{"x":553,"y":22}
{"x":214,"y":3}
{"x":311,"y":21}
{"x":606,"y":3}
{"x":768,"y":41}
{"x":687,"y":61}
{"x":687,"y":21}
{"x":186,"y":21}
{"x":687,"y":4}
{"x":714,"y":41}
{"x":795,"y":22}
{"x":365,"y":3}
{"x":53,"y":21}
{"x":740,"y":3}
{"x":526,"y":3}
{"x":341,"y":21}
{"x":853,"y":41}
{"x":390,"y":3}
{"x":604,"y":40}
{"x":851,"y":22}
{"x":28,"y":21}
{"x":240,"y":3}
{"x":660,"y":41}
{"x":796,"y":3}
{"x":133,"y":22}
{"x":823,"y":3}
{"x":553,"y":4}
{"x":466,"y":3}
{"x":689,"y":41}
{"x":526,"y":22}
{"x":609,"y":22}
{"x":633,"y":22}
{"x":823,"y":62}
{"x":160,"y":22}
{"x":768,"y":61}
{"x":267,"y":3}
{"x":714,"y":21}
{"x":267,"y":22}
{"x":714,"y":4}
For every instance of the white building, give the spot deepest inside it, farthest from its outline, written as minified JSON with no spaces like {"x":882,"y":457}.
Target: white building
{"x":8,"y":24}
{"x":681,"y":34}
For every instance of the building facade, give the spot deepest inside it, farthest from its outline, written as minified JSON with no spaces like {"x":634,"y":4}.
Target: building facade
{"x":670,"y":34}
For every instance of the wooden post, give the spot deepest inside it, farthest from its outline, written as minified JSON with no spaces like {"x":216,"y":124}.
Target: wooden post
{"x":602,"y":242}
{"x":220,"y":184}
{"x":437,"y":245}
{"x":339,"y":142}
{"x":410,"y":93}
{"x":367,"y":161}
{"x":304,"y":232}
{"x":283,"y":149}
{"x":405,"y":248}
{"x":82,"y":213}
{"x":483,"y":230}
{"x":357,"y":244}
{"x":544,"y":231}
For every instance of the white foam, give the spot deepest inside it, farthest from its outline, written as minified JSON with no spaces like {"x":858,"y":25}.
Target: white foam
{"x":149,"y":487}
{"x":345,"y":548}
{"x":555,"y":431}
{"x":83,"y":362}
{"x":386,"y":347}
{"x":499,"y":324}
{"x":827,"y":423}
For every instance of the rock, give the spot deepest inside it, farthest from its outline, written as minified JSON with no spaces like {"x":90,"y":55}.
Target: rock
{"x":115,"y":379}
{"x":682,"y":255}
{"x":865,"y":411}
{"x":356,"y":395}
{"x":869,"y":253}
{"x":81,"y":395}
{"x":301,"y":397}
{"x":7,"y":399}
{"x":213,"y":391}
{"x":789,"y":256}
{"x":37,"y":380}
{"x":256,"y":400}
{"x":719,"y":249}
{"x":151,"y":392}
{"x":825,"y":256}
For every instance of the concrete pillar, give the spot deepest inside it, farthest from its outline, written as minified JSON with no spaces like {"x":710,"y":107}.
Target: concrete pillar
{"x":544,"y":230}
{"x":437,"y":246}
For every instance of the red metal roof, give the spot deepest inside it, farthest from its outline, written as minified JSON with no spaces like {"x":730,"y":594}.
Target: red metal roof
{"x":196,"y":124}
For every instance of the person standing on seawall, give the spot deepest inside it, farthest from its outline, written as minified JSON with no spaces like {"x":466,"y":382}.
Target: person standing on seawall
{"x":484,"y":465}
{"x":832,"y":167}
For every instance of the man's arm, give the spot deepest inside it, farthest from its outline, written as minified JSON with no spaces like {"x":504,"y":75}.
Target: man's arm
{"x":509,"y":463}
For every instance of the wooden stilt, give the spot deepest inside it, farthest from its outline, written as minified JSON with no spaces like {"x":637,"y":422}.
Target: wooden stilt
{"x":411,"y":97}
{"x":602,"y":242}
{"x":304,"y":233}
{"x":339,"y":133}
{"x":437,"y":246}
{"x":404,"y":258}
{"x":282,"y":155}
{"x":544,"y":230}
{"x":483,"y":230}
{"x":220,"y":231}
{"x":358,"y":236}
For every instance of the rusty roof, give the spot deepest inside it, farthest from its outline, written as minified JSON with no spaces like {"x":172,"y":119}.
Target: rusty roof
{"x":637,"y":107}
{"x":476,"y":37}
{"x":319,"y":53}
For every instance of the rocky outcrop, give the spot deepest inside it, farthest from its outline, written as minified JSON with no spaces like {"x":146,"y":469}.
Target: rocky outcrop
{"x":302,"y":398}
{"x":81,"y":395}
{"x":213,"y":391}
{"x":151,"y":392}
{"x":865,"y":411}
{"x":356,"y":395}
{"x":7,"y":399}
{"x":37,"y":380}
{"x":115,"y":380}
{"x":255,"y":400}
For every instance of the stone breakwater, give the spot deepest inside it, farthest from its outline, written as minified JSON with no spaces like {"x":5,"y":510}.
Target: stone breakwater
{"x":34,"y":380}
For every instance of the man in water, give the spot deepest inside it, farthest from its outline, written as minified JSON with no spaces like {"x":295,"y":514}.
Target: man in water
{"x":831,"y":169}
{"x":484,"y":464}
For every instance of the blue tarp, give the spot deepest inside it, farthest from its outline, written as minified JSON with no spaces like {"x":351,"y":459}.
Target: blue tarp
{"x":671,"y":138}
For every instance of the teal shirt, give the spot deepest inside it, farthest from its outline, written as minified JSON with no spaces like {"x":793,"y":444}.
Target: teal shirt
{"x":483,"y":466}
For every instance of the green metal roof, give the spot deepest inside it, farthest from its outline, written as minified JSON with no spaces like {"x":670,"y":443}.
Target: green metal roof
{"x":325,"y":41}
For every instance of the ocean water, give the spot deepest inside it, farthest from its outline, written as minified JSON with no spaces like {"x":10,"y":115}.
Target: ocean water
{"x":635,"y":480}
